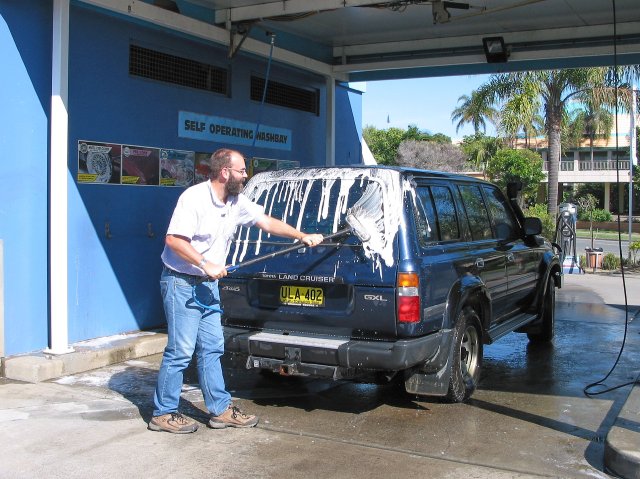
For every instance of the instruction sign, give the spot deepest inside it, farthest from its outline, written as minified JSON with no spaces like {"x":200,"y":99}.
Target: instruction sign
{"x":225,"y":130}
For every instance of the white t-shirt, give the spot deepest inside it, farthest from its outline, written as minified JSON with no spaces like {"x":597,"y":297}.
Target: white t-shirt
{"x":209,"y":224}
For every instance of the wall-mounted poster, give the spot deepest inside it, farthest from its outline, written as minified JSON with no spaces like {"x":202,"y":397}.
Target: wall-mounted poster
{"x":140,"y":165}
{"x":176,"y":167}
{"x":257,"y":165}
{"x":98,"y":162}
{"x":288,"y":164}
{"x":203,"y":167}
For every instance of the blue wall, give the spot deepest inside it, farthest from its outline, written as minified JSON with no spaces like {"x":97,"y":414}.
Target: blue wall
{"x":113,"y":282}
{"x":25,"y":92}
{"x":348,"y":126}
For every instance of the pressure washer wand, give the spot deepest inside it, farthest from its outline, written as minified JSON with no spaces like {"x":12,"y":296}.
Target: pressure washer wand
{"x":354,"y":227}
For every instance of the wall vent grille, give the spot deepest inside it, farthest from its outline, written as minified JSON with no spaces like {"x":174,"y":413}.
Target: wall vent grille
{"x":288,"y":96}
{"x":160,"y":66}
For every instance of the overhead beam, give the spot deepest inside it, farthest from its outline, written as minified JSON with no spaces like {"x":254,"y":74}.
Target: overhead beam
{"x":259,"y":11}
{"x":528,"y":46}
{"x":529,"y":36}
{"x":476,"y":59}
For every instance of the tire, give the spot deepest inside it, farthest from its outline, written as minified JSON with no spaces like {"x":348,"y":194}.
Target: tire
{"x":547,"y":324}
{"x":466,"y":355}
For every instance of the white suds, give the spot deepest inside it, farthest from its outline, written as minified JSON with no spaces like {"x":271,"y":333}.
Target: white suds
{"x":291,"y":187}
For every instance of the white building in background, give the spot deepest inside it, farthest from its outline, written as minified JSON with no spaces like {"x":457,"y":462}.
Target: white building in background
{"x":608,"y":162}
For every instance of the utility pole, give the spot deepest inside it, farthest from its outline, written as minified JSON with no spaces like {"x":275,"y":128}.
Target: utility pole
{"x":632,"y":159}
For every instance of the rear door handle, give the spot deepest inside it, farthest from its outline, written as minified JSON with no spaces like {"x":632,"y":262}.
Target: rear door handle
{"x":479,"y":263}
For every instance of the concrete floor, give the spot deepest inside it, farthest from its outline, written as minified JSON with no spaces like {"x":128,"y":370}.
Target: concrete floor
{"x":529,"y":418}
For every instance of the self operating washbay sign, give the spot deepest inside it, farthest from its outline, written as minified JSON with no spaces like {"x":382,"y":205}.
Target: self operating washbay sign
{"x":226,"y":130}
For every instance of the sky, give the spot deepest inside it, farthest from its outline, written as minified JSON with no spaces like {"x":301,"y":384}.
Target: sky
{"x":424,"y":102}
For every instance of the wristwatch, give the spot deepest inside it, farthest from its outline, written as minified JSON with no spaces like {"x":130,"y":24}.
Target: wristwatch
{"x":202,"y":262}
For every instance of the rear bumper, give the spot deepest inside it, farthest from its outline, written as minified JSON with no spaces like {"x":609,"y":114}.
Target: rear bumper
{"x":324,"y":356}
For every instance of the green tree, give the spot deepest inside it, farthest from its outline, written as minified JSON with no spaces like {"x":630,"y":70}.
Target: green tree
{"x":479,"y":149}
{"x":413,"y":133}
{"x":552,"y":89}
{"x":383,"y":143}
{"x":473,"y":111}
{"x":597,"y":122}
{"x":589,"y":189}
{"x":573,"y":128}
{"x":509,"y":165}
{"x":521,"y":113}
{"x":548,"y":223}
{"x":439,"y":138}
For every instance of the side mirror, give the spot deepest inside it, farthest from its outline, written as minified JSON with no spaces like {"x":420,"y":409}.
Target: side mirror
{"x":532,"y":226}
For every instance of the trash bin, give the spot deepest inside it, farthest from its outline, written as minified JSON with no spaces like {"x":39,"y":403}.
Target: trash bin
{"x":594,"y":257}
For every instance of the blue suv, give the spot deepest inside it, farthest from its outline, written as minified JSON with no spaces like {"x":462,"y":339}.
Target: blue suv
{"x":422,"y":268}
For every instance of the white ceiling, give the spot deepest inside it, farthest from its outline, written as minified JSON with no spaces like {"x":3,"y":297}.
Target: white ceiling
{"x":366,"y":40}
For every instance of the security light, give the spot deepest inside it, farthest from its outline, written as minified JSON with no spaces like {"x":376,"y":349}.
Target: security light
{"x":495,"y":50}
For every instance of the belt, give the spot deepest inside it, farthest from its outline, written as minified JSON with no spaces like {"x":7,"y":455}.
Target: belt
{"x":191,"y":278}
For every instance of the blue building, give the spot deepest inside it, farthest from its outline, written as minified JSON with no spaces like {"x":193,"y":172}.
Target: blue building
{"x":106,"y":118}
{"x":109,"y":106}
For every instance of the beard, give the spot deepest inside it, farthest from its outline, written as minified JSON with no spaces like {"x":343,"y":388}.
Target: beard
{"x":234,"y":187}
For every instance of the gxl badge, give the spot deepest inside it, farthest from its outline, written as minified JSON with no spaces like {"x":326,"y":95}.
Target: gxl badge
{"x":375,"y":297}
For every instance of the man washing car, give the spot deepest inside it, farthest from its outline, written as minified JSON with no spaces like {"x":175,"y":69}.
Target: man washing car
{"x":196,"y":245}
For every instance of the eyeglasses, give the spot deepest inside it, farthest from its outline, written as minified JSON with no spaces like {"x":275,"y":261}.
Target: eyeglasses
{"x":242,"y":171}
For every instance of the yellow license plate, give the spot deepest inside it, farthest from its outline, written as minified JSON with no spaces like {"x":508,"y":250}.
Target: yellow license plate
{"x":301,"y":296}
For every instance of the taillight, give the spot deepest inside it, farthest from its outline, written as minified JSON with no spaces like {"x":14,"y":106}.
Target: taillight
{"x":408,"y":285}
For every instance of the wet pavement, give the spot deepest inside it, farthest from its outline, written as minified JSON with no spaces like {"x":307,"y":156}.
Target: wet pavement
{"x":530,"y":416}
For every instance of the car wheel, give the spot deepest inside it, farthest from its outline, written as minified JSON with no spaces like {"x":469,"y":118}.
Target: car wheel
{"x":547,"y":325}
{"x":466,"y":357}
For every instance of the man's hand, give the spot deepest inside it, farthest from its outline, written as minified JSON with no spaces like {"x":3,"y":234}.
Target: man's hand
{"x":214,"y":271}
{"x":312,"y":239}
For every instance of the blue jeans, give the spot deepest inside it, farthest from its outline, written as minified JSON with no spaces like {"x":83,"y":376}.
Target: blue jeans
{"x":189,"y":328}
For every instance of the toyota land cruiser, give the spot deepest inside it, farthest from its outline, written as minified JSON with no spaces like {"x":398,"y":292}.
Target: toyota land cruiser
{"x":451,"y":264}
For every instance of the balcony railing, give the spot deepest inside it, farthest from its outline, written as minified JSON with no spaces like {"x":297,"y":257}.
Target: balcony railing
{"x":587,"y":165}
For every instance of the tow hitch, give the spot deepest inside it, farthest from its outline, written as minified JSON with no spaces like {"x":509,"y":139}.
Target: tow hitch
{"x":292,"y":357}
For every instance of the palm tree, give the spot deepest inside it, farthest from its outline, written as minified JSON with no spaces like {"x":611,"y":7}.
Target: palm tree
{"x":521,"y":112}
{"x":553,"y":89}
{"x":479,"y":149}
{"x":474,"y":111}
{"x":598,"y":122}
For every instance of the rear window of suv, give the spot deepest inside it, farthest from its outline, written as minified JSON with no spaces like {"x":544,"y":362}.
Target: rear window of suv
{"x":311,"y":205}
